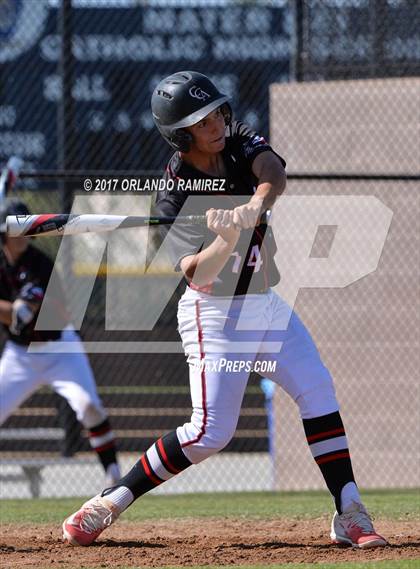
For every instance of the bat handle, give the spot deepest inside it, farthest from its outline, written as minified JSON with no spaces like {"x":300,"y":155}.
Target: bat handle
{"x":197,"y":219}
{"x":179,"y":220}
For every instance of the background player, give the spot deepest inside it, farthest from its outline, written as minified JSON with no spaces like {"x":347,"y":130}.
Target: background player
{"x":229,"y":268}
{"x":24,"y":275}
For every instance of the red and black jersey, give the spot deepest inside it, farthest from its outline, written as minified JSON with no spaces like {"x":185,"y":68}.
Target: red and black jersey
{"x":251,"y":267}
{"x":33,"y":267}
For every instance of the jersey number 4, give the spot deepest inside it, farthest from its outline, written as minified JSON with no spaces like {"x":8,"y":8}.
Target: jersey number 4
{"x":255,"y":260}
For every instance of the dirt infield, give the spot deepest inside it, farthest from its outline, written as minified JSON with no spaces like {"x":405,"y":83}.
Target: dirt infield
{"x":200,"y":542}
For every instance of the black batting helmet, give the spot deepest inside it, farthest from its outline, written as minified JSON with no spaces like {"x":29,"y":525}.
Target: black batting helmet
{"x":11,"y":206}
{"x":183,"y":99}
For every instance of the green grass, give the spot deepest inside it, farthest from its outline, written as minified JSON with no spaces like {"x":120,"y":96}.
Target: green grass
{"x":391,"y":504}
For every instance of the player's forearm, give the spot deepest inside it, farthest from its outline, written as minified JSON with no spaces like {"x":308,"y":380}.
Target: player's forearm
{"x":271,"y":180}
{"x":266,"y":195}
{"x":203,"y":268}
{"x":5,"y":312}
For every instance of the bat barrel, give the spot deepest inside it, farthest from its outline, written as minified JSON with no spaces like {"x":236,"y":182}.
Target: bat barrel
{"x":64,"y":224}
{"x":16,"y":227}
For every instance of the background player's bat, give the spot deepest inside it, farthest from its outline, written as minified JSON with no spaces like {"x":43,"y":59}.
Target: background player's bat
{"x":71,"y":224}
{"x":8,"y":176}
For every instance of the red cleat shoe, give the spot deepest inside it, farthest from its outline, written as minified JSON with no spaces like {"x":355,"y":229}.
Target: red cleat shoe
{"x":85,"y":525}
{"x":354,"y":527}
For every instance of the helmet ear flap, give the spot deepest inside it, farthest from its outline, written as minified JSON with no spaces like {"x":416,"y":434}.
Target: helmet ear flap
{"x":181,"y":139}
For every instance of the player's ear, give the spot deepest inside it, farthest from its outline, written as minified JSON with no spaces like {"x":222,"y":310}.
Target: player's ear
{"x":226,"y":111}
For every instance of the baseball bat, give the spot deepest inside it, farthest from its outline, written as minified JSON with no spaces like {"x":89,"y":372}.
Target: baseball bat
{"x":71,"y":224}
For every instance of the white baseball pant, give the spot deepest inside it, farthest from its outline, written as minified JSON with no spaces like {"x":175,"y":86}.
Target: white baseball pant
{"x":69,"y":375}
{"x":208,"y":328}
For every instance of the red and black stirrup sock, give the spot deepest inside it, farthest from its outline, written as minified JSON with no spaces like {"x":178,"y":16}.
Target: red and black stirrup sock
{"x":161,"y":461}
{"x":328,"y":443}
{"x":102,"y":441}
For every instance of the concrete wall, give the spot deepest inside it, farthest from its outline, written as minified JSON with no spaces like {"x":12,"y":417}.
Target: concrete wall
{"x":368,"y":332}
{"x":347,"y":126}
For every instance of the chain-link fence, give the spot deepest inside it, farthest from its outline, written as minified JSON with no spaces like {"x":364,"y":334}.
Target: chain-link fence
{"x":349,"y":39}
{"x":90,"y":97}
{"x":119,"y":52}
{"x":365,"y":319}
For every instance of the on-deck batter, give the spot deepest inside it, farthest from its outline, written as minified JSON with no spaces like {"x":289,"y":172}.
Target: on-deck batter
{"x":229,"y":312}
{"x":24,"y":275}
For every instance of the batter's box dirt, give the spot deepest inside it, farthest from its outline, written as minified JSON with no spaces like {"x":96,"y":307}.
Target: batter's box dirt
{"x":200,"y":542}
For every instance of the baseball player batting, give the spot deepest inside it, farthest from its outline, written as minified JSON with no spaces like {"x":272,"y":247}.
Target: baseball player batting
{"x":229,"y":269}
{"x":24,"y":275}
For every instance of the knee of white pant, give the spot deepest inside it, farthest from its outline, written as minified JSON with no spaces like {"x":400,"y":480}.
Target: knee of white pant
{"x":199,"y":443}
{"x":91,"y":415}
{"x":321,"y":400}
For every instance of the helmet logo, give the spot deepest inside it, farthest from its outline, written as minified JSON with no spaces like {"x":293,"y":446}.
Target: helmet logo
{"x":198,"y":93}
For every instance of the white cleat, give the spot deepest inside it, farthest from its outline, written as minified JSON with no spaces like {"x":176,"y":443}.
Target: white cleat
{"x":354,"y":527}
{"x":85,"y":525}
